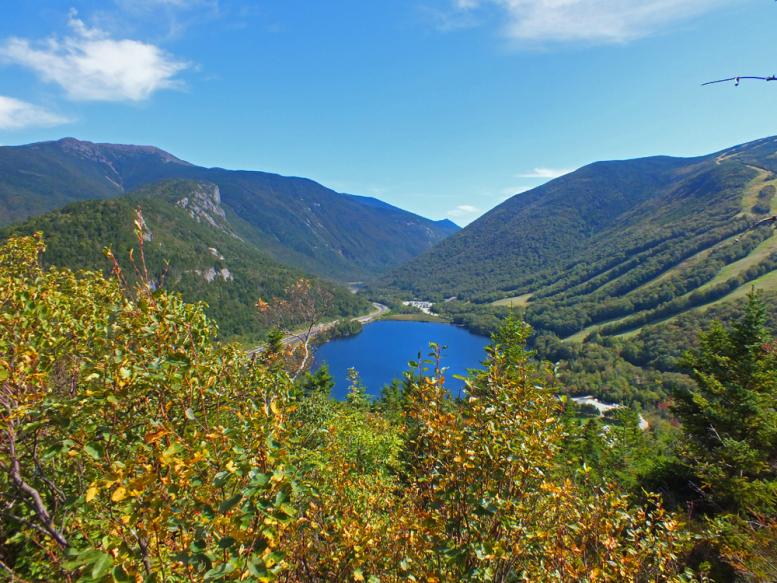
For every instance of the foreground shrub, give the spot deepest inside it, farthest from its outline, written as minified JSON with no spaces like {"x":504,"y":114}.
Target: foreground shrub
{"x":135,"y":448}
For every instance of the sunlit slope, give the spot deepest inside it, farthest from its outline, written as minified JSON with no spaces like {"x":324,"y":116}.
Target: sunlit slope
{"x":616,"y":245}
{"x":190,"y":245}
{"x":295,"y":220}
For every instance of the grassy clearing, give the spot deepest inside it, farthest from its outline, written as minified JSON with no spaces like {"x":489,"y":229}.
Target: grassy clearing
{"x":580,"y":336}
{"x":766,"y":283}
{"x":420,"y":317}
{"x":750,"y":197}
{"x":757,"y":255}
{"x":516,"y":301}
{"x":679,"y":268}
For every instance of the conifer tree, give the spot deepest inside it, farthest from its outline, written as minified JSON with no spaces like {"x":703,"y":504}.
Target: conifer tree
{"x":730,"y":425}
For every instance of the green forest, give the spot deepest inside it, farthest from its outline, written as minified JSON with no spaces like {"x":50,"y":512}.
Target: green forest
{"x":613,"y":246}
{"x":184,"y":253}
{"x":429,"y":291}
{"x":140,"y":449}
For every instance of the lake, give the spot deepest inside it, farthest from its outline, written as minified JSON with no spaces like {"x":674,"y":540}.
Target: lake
{"x":382,"y":350}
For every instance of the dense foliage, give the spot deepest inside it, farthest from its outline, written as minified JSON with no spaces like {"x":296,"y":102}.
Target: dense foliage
{"x":614,"y":246}
{"x":296,"y":221}
{"x":730,"y":448}
{"x":134,"y":447}
{"x":643,"y":369}
{"x":192,"y":250}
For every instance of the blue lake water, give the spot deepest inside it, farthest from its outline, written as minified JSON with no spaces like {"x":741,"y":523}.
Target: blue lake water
{"x":382,"y":350}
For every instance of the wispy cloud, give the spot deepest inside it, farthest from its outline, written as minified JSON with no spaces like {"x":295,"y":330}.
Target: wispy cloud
{"x":90,"y":65}
{"x":547,"y":173}
{"x":463,"y":211}
{"x":449,"y":20}
{"x":173,"y":18}
{"x":588,"y":21}
{"x":16,"y":114}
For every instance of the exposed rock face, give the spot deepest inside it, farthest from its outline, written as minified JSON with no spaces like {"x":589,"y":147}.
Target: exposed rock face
{"x":147,"y":234}
{"x":204,"y":205}
{"x":212,"y":273}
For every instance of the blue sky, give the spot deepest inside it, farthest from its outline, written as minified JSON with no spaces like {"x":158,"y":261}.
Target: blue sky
{"x":443,"y":107}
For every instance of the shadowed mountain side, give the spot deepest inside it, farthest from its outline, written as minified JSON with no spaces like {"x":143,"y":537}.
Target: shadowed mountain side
{"x":296,"y":220}
{"x":190,"y":247}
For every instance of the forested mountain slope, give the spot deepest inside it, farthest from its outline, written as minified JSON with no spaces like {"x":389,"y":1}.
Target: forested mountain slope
{"x":616,"y":245}
{"x":296,"y":220}
{"x":190,"y":247}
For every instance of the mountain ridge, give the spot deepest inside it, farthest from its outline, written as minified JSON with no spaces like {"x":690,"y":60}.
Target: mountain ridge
{"x":189,"y":245}
{"x":614,"y":244}
{"x":296,"y":220}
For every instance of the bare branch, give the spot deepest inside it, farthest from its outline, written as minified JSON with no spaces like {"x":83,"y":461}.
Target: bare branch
{"x":13,"y":576}
{"x":739,"y":78}
{"x":34,"y":497}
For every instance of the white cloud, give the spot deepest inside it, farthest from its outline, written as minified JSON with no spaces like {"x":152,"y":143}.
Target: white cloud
{"x":589,"y":21}
{"x":462,"y":211}
{"x":91,"y":66}
{"x":16,"y":114}
{"x":547,"y":173}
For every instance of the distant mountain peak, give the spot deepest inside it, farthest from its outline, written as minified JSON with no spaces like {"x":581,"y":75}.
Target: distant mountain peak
{"x":448,"y":223}
{"x":100,"y":152}
{"x":295,"y":220}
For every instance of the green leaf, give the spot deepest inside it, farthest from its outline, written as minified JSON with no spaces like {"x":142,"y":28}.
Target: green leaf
{"x":120,"y":575}
{"x":256,"y":569}
{"x":287,"y":509}
{"x":101,"y":566}
{"x":219,"y":572}
{"x":229,"y":503}
{"x":94,"y":451}
{"x":172,"y":450}
{"x":259,"y":479}
{"x":220,"y":479}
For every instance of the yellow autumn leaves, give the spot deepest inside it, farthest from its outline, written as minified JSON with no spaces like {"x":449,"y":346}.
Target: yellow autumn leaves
{"x":164,"y":454}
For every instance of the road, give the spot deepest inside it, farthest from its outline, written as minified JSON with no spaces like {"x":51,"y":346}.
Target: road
{"x":379,"y":310}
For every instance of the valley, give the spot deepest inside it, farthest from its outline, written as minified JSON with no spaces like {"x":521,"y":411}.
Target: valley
{"x":446,"y":291}
{"x":602,"y":257}
{"x":660,"y":236}
{"x":619,"y":267}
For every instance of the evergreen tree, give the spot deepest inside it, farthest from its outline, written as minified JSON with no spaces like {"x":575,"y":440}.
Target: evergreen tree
{"x":729,"y":418}
{"x":730,"y":451}
{"x":320,"y":382}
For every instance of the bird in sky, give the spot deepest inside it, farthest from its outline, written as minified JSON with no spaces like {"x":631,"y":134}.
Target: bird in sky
{"x":739,"y":78}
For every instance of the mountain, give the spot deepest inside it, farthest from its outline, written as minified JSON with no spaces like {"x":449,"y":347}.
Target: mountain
{"x":190,"y":247}
{"x":295,"y":220}
{"x":615,"y":245}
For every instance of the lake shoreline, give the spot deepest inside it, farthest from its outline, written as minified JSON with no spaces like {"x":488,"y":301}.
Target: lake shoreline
{"x":382,"y":351}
